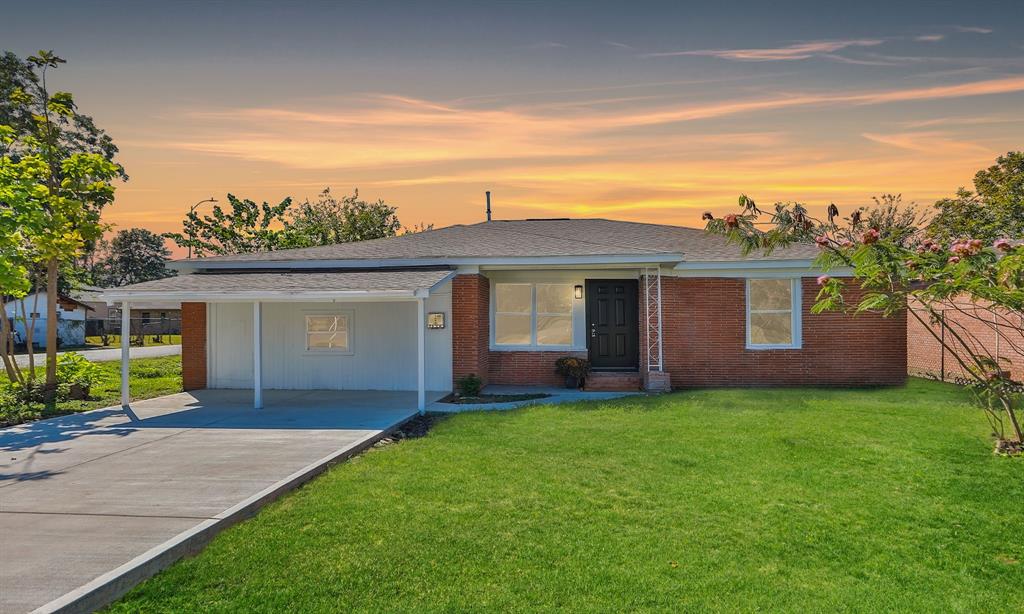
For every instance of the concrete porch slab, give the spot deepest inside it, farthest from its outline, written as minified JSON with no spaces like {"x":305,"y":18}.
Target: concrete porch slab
{"x":133,"y":489}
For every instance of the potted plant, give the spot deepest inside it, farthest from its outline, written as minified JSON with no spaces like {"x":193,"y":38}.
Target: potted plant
{"x":575,"y":370}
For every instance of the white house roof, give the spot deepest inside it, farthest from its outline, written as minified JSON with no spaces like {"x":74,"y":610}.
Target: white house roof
{"x":570,"y":239}
{"x":319,"y":284}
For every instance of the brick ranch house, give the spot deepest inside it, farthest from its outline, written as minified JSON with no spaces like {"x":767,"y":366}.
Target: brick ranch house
{"x":650,"y":305}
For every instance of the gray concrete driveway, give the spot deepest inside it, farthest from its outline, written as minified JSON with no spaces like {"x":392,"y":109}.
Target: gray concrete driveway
{"x":84,"y":494}
{"x":107,"y":354}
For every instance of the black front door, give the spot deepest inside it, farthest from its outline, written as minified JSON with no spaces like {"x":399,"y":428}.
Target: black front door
{"x":612,"y":323}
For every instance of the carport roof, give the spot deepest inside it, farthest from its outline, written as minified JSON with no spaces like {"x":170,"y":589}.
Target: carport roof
{"x":313,"y":284}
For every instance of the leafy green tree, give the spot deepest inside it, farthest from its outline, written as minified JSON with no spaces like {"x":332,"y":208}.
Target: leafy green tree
{"x":329,"y":220}
{"x":132,"y":256}
{"x":59,"y":163}
{"x":995,"y":209}
{"x":246,"y":227}
{"x":896,"y":264}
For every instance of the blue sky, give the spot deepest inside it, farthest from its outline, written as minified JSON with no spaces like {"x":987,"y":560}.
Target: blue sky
{"x":640,"y":111}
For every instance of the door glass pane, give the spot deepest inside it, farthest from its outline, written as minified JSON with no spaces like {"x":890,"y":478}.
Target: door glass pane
{"x":770,"y":294}
{"x":554,"y":330}
{"x":513,"y":298}
{"x":512,"y":329}
{"x":771,"y":328}
{"x":554,"y":298}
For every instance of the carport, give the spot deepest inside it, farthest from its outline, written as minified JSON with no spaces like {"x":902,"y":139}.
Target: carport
{"x":323,"y":329}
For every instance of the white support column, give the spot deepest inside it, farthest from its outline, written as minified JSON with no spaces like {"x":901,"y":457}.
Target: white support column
{"x":257,"y":355}
{"x":126,"y":344}
{"x":421,"y":355}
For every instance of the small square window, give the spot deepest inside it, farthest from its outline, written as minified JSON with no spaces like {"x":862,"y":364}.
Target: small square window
{"x":327,"y":333}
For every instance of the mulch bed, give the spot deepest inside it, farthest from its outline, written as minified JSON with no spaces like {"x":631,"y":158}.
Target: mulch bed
{"x":417,"y":426}
{"x":493,"y":398}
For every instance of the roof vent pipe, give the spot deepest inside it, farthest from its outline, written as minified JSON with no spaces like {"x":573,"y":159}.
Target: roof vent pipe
{"x":488,"y":193}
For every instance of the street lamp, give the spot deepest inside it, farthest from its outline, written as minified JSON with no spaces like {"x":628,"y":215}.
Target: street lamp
{"x":191,"y":210}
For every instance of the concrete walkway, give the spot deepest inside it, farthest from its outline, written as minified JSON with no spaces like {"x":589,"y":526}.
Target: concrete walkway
{"x":84,"y":495}
{"x":107,"y":354}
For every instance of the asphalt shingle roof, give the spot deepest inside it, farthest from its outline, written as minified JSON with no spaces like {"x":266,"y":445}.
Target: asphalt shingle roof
{"x":528,"y":238}
{"x":383,"y":280}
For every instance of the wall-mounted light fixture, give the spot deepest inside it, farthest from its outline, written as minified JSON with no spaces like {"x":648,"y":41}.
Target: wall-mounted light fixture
{"x":578,"y":290}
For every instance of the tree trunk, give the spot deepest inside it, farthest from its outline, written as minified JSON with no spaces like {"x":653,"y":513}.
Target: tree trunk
{"x":51,"y":329}
{"x":1013,"y":420}
{"x":7,"y":349}
{"x":30,"y":327}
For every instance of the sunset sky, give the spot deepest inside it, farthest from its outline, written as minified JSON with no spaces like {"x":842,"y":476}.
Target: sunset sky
{"x":631,"y":110}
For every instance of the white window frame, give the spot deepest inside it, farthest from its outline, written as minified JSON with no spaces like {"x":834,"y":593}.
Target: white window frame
{"x":796,"y":307}
{"x":533,"y":345}
{"x":350,"y":323}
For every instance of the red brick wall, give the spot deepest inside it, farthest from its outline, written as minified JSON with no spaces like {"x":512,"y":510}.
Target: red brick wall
{"x":927,"y":357}
{"x":704,"y":323}
{"x":193,"y":346}
{"x":705,"y":341}
{"x":470,"y":326}
{"x":526,"y":368}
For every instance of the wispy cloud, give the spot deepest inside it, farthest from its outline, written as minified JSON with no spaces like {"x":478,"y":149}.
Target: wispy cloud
{"x":796,"y":51}
{"x":973,"y":29}
{"x":929,"y":38}
{"x":619,"y":45}
{"x":395,"y":131}
{"x":929,"y":143}
{"x":547,"y":45}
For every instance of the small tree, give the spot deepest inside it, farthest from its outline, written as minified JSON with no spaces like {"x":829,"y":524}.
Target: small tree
{"x":896,"y":264}
{"x":64,"y":163}
{"x":994,"y":209}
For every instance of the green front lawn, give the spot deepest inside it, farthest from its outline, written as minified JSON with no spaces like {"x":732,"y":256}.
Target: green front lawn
{"x":736,"y":500}
{"x":150,"y":377}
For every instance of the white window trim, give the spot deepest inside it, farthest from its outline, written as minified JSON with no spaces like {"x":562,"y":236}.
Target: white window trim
{"x":796,"y":309}
{"x":346,"y":313}
{"x":533,"y":346}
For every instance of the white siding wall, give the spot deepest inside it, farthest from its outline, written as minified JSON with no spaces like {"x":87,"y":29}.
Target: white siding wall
{"x":383,"y":338}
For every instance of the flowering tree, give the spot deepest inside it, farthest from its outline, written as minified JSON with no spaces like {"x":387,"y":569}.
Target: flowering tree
{"x":896,"y":264}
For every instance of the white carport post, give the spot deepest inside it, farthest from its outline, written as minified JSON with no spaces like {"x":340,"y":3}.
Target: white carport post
{"x":421,"y":356}
{"x":257,"y":355}
{"x":126,"y":344}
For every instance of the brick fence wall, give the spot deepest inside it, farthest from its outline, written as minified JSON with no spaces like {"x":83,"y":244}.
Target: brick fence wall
{"x":927,"y":357}
{"x":193,"y":346}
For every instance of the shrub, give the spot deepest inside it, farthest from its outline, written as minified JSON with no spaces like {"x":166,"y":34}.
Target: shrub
{"x":74,"y":372}
{"x":570,"y":366}
{"x":470,"y":385}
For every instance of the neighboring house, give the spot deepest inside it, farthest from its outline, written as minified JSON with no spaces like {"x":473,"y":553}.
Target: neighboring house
{"x":71,"y":315}
{"x":649,"y":305}
{"x":150,"y":317}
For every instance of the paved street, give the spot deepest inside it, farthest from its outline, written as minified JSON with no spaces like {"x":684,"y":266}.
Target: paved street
{"x":108,"y":354}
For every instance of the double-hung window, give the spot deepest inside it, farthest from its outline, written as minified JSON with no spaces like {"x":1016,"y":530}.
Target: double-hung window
{"x":533,"y":314}
{"x":328,"y":333}
{"x":773,"y":313}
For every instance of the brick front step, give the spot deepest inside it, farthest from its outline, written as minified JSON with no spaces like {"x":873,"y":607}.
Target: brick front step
{"x":613,"y":381}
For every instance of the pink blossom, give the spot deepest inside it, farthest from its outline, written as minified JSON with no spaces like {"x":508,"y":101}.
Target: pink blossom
{"x":731,"y":220}
{"x":1002,"y":245}
{"x":821,"y":240}
{"x":954,"y":259}
{"x":823,"y":279}
{"x":935,"y":247}
{"x":869,"y":237}
{"x":846,"y":243}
